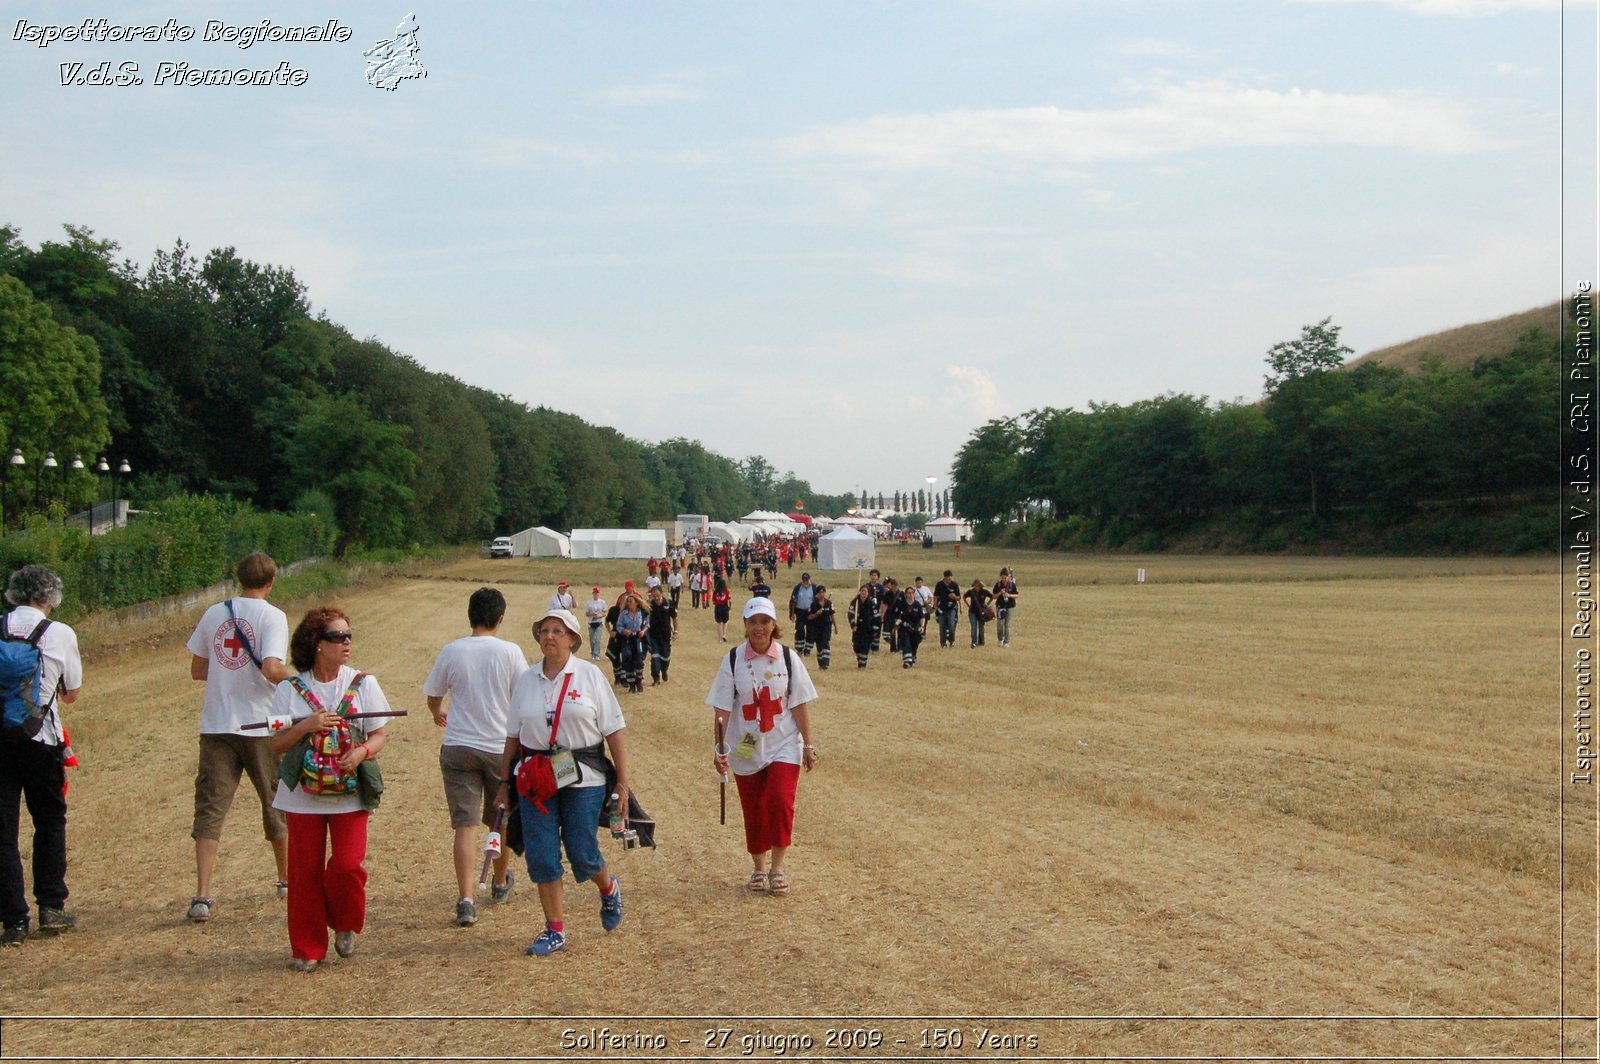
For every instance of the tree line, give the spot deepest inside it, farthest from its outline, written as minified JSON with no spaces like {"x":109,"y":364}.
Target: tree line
{"x":1326,"y":439}
{"x":211,"y":376}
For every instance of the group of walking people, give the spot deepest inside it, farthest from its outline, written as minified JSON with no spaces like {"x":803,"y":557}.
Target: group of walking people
{"x":535,"y":753}
{"x":883,"y":614}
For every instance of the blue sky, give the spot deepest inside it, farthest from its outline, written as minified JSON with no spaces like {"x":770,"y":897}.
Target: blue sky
{"x":844,"y":234}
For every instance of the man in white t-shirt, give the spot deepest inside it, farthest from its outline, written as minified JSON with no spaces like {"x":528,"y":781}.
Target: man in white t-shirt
{"x":238,"y":650}
{"x":562,"y":599}
{"x":476,"y":673}
{"x":31,"y":768}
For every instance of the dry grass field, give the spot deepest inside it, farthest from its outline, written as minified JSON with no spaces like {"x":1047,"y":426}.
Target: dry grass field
{"x":1254,"y":808}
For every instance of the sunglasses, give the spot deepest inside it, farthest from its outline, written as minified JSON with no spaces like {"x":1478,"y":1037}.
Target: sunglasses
{"x":336,"y":637}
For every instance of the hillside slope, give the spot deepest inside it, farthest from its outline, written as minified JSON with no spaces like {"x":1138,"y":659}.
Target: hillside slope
{"x":1462,"y":346}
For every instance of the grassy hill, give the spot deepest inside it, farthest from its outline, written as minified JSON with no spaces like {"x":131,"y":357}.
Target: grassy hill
{"x":1465,"y":344}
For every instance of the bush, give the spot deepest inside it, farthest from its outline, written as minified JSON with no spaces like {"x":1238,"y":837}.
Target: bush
{"x":184,"y":543}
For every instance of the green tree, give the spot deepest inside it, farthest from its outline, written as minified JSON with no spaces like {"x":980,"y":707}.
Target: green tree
{"x":51,"y":401}
{"x":985,"y":472}
{"x":362,"y":463}
{"x":1316,"y":350}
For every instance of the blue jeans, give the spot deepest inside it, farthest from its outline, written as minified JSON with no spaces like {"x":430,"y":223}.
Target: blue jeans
{"x":977,"y":627}
{"x":573,"y":818}
{"x":1002,"y":626}
{"x":596,"y":630}
{"x":947,"y":625}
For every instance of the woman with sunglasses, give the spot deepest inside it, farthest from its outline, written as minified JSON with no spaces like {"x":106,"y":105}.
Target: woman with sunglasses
{"x":318,"y":787}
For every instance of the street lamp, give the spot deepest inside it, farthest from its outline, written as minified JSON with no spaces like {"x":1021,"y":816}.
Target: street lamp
{"x":38,"y":475}
{"x":16,"y":461}
{"x":124,"y":469}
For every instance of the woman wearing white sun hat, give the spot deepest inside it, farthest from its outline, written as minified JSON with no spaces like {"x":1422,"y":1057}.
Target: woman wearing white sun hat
{"x":762,"y":696}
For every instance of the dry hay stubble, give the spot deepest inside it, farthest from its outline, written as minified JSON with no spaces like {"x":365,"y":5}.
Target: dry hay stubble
{"x":1210,"y":797}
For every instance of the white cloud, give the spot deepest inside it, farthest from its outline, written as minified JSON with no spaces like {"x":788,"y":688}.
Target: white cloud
{"x":678,"y":87}
{"x":1513,"y":70}
{"x":974,"y":389}
{"x":520,"y":152}
{"x":1454,"y":8}
{"x":1154,"y":47}
{"x":1193,"y":116}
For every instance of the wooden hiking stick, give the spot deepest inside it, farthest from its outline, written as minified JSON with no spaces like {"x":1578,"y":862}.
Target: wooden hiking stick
{"x":722,"y":747}
{"x":491,"y":849}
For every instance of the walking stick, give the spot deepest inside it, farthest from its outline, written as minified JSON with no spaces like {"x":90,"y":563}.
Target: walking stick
{"x":491,"y":849}
{"x":722,"y":751}
{"x":279,"y":723}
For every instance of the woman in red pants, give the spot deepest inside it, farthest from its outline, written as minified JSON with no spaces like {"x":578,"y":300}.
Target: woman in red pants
{"x":319,"y":787}
{"x":762,"y":697}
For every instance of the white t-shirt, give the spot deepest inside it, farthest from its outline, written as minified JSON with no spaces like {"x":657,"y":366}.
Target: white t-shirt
{"x":286,"y":702}
{"x":595,"y":609}
{"x":589,"y":713}
{"x":236,"y":692}
{"x":735,"y":691}
{"x":652,"y":581}
{"x":59,"y":664}
{"x":476,"y":673}
{"x":675,"y":580}
{"x":560,"y":601}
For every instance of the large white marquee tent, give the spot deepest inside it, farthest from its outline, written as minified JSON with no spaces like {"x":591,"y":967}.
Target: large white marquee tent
{"x":619,"y":543}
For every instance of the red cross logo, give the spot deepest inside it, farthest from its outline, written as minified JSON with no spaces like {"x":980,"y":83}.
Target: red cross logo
{"x":229,"y":643}
{"x":764,"y":706}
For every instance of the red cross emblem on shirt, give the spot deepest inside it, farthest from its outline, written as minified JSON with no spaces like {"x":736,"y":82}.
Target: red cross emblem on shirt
{"x":764,"y":706}
{"x":234,"y":643}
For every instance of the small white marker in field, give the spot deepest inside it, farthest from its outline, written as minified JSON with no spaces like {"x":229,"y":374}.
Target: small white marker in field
{"x":1141,"y":576}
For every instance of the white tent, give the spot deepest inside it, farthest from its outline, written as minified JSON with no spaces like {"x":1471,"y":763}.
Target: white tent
{"x":619,"y":543}
{"x":845,"y":548}
{"x":540,"y":542}
{"x":869,"y":525}
{"x":726,"y":532}
{"x":949,"y":529}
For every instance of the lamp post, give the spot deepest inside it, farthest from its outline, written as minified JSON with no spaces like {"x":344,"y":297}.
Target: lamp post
{"x":77,"y":466}
{"x":38,"y":475}
{"x":124,"y":469}
{"x":933,"y":507}
{"x":17,"y":462}
{"x":101,"y":469}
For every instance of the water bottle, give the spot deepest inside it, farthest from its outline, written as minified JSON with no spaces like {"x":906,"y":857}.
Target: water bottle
{"x":617,"y":824}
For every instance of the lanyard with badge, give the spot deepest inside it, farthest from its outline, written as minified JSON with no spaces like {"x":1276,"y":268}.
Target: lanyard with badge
{"x":763,"y":708}
{"x":562,"y":763}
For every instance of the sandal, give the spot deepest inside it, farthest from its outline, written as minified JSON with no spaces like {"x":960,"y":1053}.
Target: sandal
{"x":779,"y":883}
{"x":758,"y":882}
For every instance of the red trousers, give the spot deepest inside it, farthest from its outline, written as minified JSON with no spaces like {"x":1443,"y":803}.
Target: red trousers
{"x":325,"y":890}
{"x":767,"y":798}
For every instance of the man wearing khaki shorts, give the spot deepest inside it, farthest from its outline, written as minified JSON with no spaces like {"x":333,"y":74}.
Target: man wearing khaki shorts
{"x":476,"y":673}
{"x":238,"y":650}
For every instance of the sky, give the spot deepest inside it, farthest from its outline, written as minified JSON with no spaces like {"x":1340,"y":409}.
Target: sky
{"x":841,"y":235}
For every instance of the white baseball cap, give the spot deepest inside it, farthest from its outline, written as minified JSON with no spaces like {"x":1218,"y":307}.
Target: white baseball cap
{"x":760,"y":606}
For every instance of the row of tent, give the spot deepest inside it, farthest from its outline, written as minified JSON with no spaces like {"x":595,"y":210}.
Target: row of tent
{"x":843,"y":548}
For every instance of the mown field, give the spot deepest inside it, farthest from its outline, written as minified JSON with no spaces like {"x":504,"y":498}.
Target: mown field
{"x":1256,"y":807}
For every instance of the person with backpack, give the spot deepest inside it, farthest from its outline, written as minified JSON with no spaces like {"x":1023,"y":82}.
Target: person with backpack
{"x":237,"y":650}
{"x":862,"y":615}
{"x":979,"y":610}
{"x":800,"y":600}
{"x":327,"y":783}
{"x":761,"y":699}
{"x":564,"y":718}
{"x":821,"y":624}
{"x":947,"y":604}
{"x":1005,"y":605}
{"x":661,"y":628}
{"x":476,"y":673}
{"x":40,"y":670}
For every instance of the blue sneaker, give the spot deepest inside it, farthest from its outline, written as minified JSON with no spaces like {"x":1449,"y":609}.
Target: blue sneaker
{"x":547,"y":943}
{"x":611,"y":906}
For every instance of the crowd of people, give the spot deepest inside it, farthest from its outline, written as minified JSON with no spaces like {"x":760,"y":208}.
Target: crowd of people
{"x":535,"y":753}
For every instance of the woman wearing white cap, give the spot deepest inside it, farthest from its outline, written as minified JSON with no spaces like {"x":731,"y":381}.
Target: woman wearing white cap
{"x":564,"y":704}
{"x":762,"y":696}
